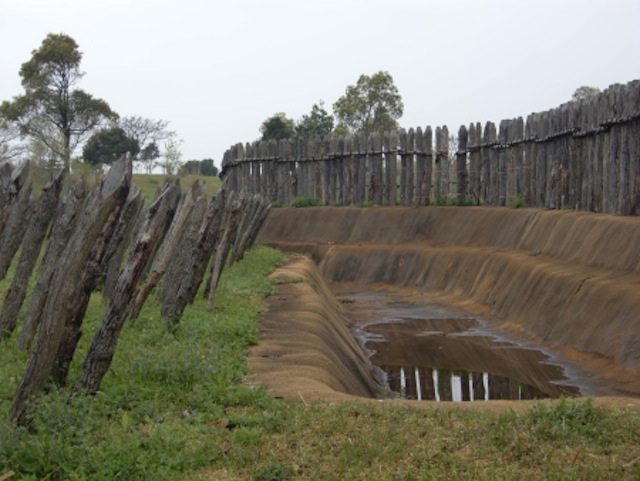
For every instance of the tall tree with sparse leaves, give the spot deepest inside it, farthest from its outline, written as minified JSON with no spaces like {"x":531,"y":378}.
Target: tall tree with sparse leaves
{"x":52,"y":111}
{"x":373,"y":104}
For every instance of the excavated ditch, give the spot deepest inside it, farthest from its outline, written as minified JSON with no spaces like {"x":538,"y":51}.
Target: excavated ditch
{"x":552,"y":290}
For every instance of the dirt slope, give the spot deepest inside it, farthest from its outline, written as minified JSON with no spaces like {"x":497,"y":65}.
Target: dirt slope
{"x":569,"y":281}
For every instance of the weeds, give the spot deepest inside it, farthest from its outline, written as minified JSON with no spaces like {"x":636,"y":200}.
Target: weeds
{"x":306,"y":202}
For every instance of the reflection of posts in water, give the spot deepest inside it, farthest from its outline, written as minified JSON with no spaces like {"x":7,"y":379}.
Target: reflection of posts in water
{"x":443,"y":385}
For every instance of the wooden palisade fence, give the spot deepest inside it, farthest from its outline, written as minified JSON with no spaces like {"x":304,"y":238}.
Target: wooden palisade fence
{"x":182,"y":234}
{"x":583,"y":155}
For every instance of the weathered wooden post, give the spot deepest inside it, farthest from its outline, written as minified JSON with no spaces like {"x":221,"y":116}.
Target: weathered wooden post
{"x":474,"y":164}
{"x":502,"y":162}
{"x":461,"y":165}
{"x":403,"y":167}
{"x":376,"y":184}
{"x":410,"y":164}
{"x":106,"y":198}
{"x":391,"y":163}
{"x":18,"y":212}
{"x":105,"y":246}
{"x":528,"y":166}
{"x":64,"y":223}
{"x":31,"y":246}
{"x":421,"y":162}
{"x":104,"y":342}
{"x":491,"y":162}
{"x":428,"y":175}
{"x":176,"y":246}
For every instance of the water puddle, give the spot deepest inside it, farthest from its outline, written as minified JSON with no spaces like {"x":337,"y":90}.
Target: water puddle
{"x":431,"y":352}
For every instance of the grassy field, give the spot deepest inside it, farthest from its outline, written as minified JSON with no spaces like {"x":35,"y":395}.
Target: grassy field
{"x":147,"y":183}
{"x":176,"y":405}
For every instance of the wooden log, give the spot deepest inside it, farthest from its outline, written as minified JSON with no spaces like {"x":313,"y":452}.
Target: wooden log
{"x":19,"y":214}
{"x":529,"y":166}
{"x":428,"y":172}
{"x":502,"y":162}
{"x":410,"y":164}
{"x":105,"y":198}
{"x":491,"y":163}
{"x":518,"y":138}
{"x":442,"y":151}
{"x":249,"y":230}
{"x":176,"y":245}
{"x":6,"y":168}
{"x":461,"y":165}
{"x":186,"y":286}
{"x":376,"y":183}
{"x":65,"y":222}
{"x":103,"y":248}
{"x":222,"y":250}
{"x":474,"y":163}
{"x":249,"y":209}
{"x":421,"y":161}
{"x":105,"y":340}
{"x":121,"y":241}
{"x":13,"y":181}
{"x":31,"y":246}
{"x":403,"y":167}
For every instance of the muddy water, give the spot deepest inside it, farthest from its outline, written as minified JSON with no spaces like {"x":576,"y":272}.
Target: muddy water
{"x":431,"y":352}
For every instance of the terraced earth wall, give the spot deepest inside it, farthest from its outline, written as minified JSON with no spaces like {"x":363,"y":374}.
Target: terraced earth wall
{"x":566,"y":280}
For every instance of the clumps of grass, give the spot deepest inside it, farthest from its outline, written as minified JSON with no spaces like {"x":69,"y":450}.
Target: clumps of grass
{"x":517,"y":202}
{"x":277,"y":281}
{"x":306,"y":202}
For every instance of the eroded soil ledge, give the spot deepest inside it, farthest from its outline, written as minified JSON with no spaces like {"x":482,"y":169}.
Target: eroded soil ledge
{"x":564,"y":280}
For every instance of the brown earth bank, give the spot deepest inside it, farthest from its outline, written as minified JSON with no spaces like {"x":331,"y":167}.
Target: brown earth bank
{"x":563,"y":280}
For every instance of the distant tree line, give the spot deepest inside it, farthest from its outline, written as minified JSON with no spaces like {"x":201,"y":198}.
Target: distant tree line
{"x":373,"y":104}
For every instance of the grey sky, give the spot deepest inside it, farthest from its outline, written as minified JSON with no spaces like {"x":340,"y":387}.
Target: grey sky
{"x":217,"y":69}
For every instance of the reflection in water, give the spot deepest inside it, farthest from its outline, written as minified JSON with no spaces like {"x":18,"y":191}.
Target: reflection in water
{"x":445,"y":385}
{"x":431,"y":352}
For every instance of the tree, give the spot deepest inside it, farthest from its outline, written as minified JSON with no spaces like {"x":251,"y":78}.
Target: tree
{"x":207,"y":168}
{"x":148,"y":156}
{"x":172,"y":155}
{"x":148,"y":133}
{"x":584,"y":91}
{"x":318,"y":123}
{"x":277,"y":127}
{"x":108,"y":145}
{"x":190,"y":167}
{"x":9,"y":145}
{"x":372,"y":105}
{"x":51,"y":110}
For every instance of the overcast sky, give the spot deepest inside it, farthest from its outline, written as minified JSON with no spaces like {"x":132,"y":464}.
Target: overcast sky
{"x":217,"y":69}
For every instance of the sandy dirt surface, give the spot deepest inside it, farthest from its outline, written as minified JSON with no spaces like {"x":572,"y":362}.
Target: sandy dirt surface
{"x":581,"y":300}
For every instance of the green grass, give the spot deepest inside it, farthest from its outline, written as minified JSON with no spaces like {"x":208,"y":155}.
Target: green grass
{"x":149,"y":184}
{"x":306,"y":202}
{"x":177,"y":406}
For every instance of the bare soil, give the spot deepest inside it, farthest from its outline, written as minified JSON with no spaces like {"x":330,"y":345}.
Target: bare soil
{"x":565,"y":281}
